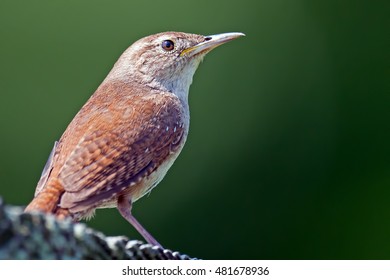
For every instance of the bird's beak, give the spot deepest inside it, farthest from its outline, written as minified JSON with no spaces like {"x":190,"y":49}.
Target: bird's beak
{"x":211,"y":42}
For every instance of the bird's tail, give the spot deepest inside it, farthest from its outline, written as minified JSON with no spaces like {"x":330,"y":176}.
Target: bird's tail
{"x":48,"y":199}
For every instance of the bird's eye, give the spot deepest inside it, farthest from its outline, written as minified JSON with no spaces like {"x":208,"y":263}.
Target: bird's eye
{"x":168,"y":45}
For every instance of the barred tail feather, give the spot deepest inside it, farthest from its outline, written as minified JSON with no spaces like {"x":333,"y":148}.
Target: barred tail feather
{"x":47,"y":199}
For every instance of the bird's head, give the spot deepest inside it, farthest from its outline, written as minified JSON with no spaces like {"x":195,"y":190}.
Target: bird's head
{"x":166,"y":61}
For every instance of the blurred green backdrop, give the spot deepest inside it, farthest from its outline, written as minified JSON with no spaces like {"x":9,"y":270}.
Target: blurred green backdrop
{"x":288,"y":154}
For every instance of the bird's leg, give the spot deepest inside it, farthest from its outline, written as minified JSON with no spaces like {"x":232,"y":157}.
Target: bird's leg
{"x":124,"y":207}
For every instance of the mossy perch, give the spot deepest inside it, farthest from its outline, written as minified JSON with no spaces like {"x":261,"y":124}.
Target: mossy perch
{"x":38,"y":236}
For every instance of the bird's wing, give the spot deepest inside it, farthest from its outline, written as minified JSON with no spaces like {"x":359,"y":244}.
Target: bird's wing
{"x":105,"y":162}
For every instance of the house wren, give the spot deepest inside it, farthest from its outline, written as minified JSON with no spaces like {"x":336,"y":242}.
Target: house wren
{"x":124,"y":139}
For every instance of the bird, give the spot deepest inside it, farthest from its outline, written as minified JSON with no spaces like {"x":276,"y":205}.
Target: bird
{"x":124,"y":139}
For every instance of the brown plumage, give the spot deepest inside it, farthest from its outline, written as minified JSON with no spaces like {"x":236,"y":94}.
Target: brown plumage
{"x":124,"y":139}
{"x":95,"y":162}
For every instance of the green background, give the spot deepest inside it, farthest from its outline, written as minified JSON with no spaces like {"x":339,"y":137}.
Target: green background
{"x":288,"y":155}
